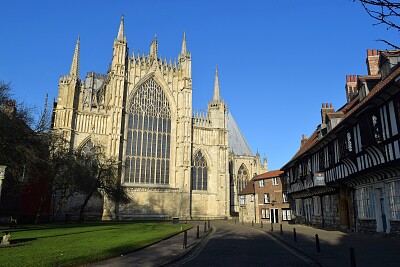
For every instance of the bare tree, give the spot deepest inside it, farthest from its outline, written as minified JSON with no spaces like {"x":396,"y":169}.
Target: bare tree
{"x":96,"y":173}
{"x":385,"y":13}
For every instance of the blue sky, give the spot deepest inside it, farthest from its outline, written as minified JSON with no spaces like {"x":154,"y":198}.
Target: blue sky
{"x":278,"y":60}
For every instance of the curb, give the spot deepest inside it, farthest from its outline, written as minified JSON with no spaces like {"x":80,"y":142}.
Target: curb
{"x":188,"y":250}
{"x":304,"y":254}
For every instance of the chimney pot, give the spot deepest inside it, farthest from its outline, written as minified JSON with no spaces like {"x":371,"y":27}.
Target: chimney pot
{"x":369,"y":52}
{"x":330,"y":105}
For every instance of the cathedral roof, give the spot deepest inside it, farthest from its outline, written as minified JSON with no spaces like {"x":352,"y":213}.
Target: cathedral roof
{"x":236,"y":141}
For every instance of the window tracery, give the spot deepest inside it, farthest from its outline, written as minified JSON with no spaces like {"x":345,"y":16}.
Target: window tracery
{"x":149,"y":136}
{"x":242,"y":177}
{"x":199,"y":172}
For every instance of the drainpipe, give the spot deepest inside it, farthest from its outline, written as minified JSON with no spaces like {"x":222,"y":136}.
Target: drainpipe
{"x":254,"y":202}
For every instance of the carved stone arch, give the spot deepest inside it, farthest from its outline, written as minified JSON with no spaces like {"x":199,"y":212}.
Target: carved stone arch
{"x":205,"y":154}
{"x":149,"y":135}
{"x":164,"y":87}
{"x":88,"y":143}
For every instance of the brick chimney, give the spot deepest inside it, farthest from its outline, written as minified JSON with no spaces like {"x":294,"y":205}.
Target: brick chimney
{"x":351,"y":87}
{"x":304,"y":139}
{"x":326,"y":108}
{"x":372,"y":61}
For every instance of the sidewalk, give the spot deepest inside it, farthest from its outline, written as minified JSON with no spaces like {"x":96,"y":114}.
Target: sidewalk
{"x":369,"y":249}
{"x":161,"y":253}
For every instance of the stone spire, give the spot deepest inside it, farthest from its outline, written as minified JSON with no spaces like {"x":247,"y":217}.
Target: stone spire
{"x":74,"y":72}
{"x":216,"y":86}
{"x":121,"y":35}
{"x":154,"y":47}
{"x":184,"y":50}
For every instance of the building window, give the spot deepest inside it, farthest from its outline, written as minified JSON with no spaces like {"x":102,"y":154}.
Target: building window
{"x":264,"y":213}
{"x":266,"y":198}
{"x":394,"y":200}
{"x":261,"y":183}
{"x":284,"y":197}
{"x":251,"y":198}
{"x":299,"y":207}
{"x":317,"y":205}
{"x":286,"y":215}
{"x":275,"y":181}
{"x":149,"y":136}
{"x":326,"y":200}
{"x":242,"y":177}
{"x":199,"y":172}
{"x":88,"y":149}
{"x":242,"y":200}
{"x":365,"y":203}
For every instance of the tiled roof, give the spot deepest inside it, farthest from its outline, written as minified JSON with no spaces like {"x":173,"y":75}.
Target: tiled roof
{"x":249,"y":188}
{"x":269,"y":174}
{"x":236,"y":141}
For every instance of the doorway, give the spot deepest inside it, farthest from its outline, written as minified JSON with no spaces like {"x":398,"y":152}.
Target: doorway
{"x":274,"y":215}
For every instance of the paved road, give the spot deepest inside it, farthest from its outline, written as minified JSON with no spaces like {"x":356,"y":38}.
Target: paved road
{"x":234,"y":245}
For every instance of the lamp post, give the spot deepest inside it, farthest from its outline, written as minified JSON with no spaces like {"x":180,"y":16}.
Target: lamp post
{"x":2,"y":172}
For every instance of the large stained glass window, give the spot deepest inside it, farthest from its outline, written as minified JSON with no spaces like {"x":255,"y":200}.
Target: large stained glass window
{"x":242,"y":177}
{"x":149,"y":136}
{"x":199,"y":172}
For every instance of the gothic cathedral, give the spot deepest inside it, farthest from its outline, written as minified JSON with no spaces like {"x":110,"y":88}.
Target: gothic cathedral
{"x":173,"y":163}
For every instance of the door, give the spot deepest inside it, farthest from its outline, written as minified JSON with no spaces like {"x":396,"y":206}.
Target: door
{"x":382,"y":204}
{"x":274,"y":216}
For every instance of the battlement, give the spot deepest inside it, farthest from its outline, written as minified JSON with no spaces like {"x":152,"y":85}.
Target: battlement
{"x":65,"y":79}
{"x":201,"y":119}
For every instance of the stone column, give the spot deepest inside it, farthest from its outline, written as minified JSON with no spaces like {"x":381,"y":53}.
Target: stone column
{"x":2,"y":172}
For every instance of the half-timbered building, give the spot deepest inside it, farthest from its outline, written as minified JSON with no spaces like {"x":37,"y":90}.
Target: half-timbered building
{"x":346,"y":175}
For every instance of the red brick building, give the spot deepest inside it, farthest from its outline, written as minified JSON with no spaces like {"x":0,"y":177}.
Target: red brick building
{"x":265,"y":199}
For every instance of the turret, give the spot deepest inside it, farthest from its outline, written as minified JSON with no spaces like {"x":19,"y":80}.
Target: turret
{"x":185,"y":60}
{"x":217,"y":107}
{"x":154,"y":48}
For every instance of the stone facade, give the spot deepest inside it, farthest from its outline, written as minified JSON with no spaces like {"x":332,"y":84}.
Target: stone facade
{"x":173,"y":162}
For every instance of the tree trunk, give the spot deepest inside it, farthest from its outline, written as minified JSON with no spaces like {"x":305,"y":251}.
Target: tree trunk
{"x":41,"y":204}
{"x":84,"y":206}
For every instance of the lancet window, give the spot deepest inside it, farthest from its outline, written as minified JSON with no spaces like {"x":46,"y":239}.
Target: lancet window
{"x":149,"y":136}
{"x":242,"y":177}
{"x":199,"y":172}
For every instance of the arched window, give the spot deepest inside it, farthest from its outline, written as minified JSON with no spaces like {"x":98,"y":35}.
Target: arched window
{"x":242,"y":177}
{"x":149,"y":136}
{"x":199,"y":172}
{"x":88,"y":148}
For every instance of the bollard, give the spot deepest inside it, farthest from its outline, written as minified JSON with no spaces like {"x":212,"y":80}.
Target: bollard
{"x":261,"y":226}
{"x":352,"y":257}
{"x":272,"y":227}
{"x":252,"y":223}
{"x":281,"y":229}
{"x":185,"y":239}
{"x":209,"y":224}
{"x":294,"y":235}
{"x":242,"y":222}
{"x":205,"y":227}
{"x":235,"y":221}
{"x":198,"y":232}
{"x":317,"y":243}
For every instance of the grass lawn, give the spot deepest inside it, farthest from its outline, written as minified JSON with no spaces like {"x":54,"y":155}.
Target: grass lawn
{"x":72,"y":244}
